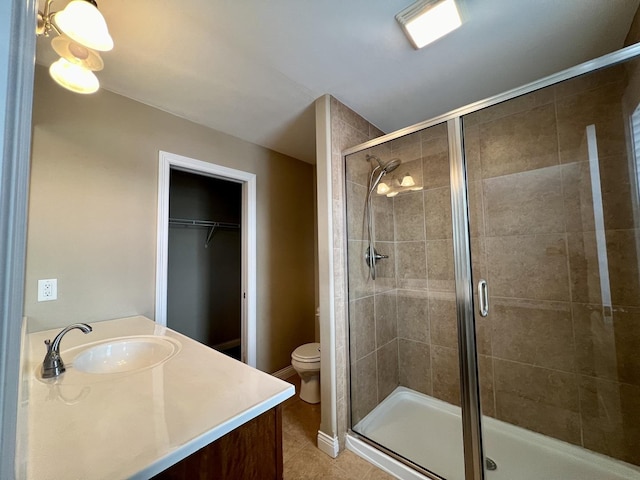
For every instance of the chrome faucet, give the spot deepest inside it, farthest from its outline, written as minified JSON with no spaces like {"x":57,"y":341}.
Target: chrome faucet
{"x":52,"y":366}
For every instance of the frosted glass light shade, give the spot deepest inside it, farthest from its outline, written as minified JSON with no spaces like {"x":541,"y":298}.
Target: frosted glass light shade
{"x":407,"y":181}
{"x":74,"y":77}
{"x":76,"y":53}
{"x":427,"y":20}
{"x":392,"y":194}
{"x":83,"y":23}
{"x":382,"y":188}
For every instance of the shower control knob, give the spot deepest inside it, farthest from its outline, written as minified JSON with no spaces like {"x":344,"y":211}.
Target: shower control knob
{"x":376,"y":256}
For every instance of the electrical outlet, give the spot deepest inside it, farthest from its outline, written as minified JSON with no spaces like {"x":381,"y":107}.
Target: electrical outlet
{"x":47,"y":289}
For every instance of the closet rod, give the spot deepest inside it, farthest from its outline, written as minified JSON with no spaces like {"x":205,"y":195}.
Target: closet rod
{"x":187,"y":222}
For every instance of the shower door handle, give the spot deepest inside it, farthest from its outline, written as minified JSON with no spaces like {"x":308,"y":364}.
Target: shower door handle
{"x":483,"y":298}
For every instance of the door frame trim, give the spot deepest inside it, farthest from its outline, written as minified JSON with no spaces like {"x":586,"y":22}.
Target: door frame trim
{"x":167,"y":161}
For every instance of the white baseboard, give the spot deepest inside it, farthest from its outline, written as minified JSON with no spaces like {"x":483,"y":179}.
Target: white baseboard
{"x":285,"y":373}
{"x":328,"y":445}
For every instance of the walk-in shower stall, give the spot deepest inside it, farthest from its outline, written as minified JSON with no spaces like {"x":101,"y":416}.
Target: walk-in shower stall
{"x":494,"y":283}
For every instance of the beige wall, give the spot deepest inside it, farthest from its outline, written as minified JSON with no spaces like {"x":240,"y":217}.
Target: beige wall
{"x":92,"y":215}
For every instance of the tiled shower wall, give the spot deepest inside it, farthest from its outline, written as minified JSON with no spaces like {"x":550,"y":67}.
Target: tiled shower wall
{"x":393,"y":342}
{"x":549,"y":360}
{"x":347,"y":130}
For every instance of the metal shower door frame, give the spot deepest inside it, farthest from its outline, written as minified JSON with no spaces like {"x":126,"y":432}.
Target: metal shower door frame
{"x":469,"y":379}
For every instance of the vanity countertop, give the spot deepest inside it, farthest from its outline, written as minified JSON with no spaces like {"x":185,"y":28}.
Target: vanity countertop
{"x":136,"y":424}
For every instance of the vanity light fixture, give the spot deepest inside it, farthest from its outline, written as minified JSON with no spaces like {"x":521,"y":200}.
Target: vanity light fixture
{"x":407,"y":181}
{"x":82,"y":33}
{"x":392,"y":194}
{"x":425,"y":21}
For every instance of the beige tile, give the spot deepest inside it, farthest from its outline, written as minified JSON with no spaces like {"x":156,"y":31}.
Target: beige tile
{"x":610,"y":413}
{"x":437,"y":211}
{"x":358,"y":168}
{"x":623,"y":267}
{"x":386,"y":315}
{"x":383,"y":219}
{"x":362,"y":329}
{"x":483,"y":334}
{"x":344,"y":136}
{"x":584,"y":267}
{"x":537,"y":333}
{"x":443,"y":319}
{"x":614,"y":189}
{"x":354,"y":465}
{"x":487,"y":394}
{"x":408,"y":149}
{"x":578,"y":198}
{"x":374,"y":132}
{"x":301,"y":422}
{"x":476,"y":209}
{"x":364,"y":387}
{"x":622,"y":262}
{"x":385,"y":268}
{"x":524,"y":203}
{"x":539,"y":399}
{"x":434,"y":132}
{"x":412,"y":140}
{"x":387,"y":357}
{"x":411,"y":265}
{"x":600,"y":107}
{"x":413,"y":319}
{"x":414,"y":365}
{"x":532,"y":266}
{"x":608,"y":347}
{"x":408,"y":212}
{"x":413,"y":168}
{"x":311,"y":464}
{"x":340,"y":111}
{"x":435,"y":162}
{"x":359,"y":283}
{"x":471,"y":151}
{"x":445,"y":374}
{"x":617,"y":198}
{"x":444,"y":323}
{"x":440,"y":266}
{"x":356,"y":202}
{"x":519,"y":142}
{"x":479,"y":268}
{"x":519,"y":104}
{"x":377,"y":474}
{"x":592,"y":80}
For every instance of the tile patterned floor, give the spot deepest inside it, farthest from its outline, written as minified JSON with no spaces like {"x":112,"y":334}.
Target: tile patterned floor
{"x":303,"y":460}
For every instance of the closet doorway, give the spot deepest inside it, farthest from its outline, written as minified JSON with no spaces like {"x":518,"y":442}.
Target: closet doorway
{"x":205,"y":286}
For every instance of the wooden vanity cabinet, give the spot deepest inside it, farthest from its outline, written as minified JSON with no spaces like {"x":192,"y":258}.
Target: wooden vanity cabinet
{"x":252,"y":451}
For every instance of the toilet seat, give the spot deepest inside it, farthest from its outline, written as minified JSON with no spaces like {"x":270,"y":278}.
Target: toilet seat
{"x":307,"y":353}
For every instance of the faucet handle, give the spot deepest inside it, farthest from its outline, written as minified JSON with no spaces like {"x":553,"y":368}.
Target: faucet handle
{"x":52,"y":366}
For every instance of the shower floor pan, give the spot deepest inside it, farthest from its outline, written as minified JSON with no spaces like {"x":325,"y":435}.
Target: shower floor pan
{"x":428,"y":432}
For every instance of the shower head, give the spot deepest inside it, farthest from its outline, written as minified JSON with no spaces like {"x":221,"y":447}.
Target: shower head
{"x":384,"y":168}
{"x":391,"y":165}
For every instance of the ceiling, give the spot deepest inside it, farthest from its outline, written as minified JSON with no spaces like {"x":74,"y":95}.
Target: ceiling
{"x":253,"y":68}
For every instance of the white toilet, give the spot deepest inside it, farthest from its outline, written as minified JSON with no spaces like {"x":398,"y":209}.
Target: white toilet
{"x":306,"y":361}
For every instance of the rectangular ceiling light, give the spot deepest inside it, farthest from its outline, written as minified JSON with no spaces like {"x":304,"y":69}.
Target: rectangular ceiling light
{"x":425,"y":21}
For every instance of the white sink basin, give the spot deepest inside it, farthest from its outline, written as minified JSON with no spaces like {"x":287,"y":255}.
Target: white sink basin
{"x":125,"y":354}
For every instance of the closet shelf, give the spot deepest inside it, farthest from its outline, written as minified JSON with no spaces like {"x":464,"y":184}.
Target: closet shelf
{"x":211,"y":225}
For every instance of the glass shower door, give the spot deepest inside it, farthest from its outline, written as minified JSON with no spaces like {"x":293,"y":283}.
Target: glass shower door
{"x":553,"y":209}
{"x":404,"y":369}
